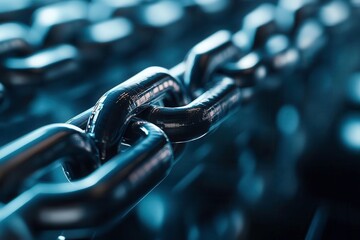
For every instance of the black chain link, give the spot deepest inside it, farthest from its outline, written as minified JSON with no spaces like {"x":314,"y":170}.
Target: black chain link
{"x":117,"y":151}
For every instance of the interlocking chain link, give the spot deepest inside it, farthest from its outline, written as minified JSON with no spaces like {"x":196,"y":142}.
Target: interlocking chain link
{"x":152,"y":112}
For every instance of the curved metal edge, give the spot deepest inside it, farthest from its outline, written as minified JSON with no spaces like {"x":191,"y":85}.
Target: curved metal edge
{"x":206,"y":56}
{"x":201,"y":116}
{"x":114,"y":109}
{"x":81,"y":119}
{"x":247,"y":71}
{"x":105,"y":195}
{"x":41,"y":148}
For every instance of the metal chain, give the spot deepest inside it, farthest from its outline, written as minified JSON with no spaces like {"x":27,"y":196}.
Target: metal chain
{"x":153,"y":113}
{"x":64,"y":37}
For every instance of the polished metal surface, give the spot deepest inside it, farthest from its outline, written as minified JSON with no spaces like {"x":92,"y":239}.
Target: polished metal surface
{"x":142,"y":167}
{"x":257,"y":103}
{"x":39,"y":149}
{"x":110,"y":115}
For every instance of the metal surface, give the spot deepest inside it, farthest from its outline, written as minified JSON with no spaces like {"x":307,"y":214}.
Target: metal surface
{"x":141,"y":167}
{"x":283,"y":165}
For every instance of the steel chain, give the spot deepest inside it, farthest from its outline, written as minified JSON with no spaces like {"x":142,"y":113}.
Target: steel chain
{"x":153,"y":112}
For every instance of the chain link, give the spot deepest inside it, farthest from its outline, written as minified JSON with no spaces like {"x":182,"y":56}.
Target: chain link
{"x":152,"y":112}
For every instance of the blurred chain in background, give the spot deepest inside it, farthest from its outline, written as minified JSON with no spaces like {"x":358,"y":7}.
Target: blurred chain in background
{"x":282,"y":78}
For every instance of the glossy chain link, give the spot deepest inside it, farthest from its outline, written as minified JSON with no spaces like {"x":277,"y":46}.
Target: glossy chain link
{"x":153,"y":112}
